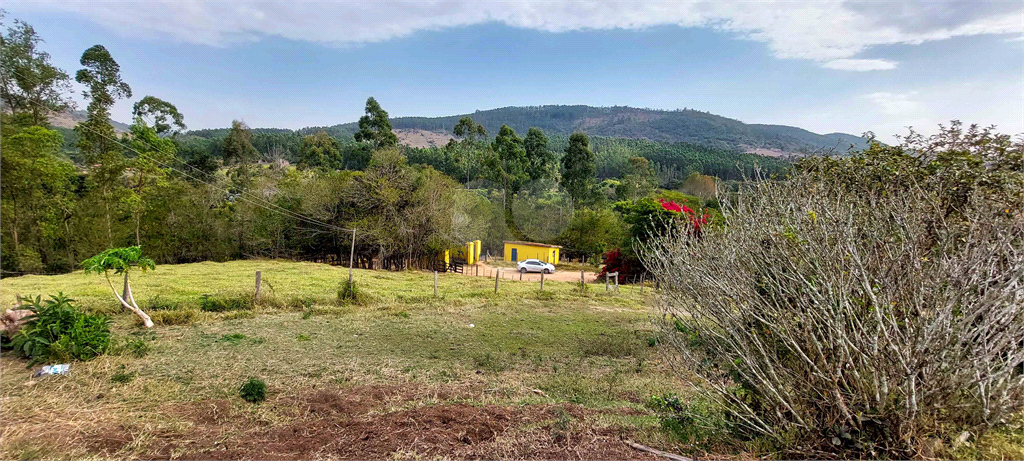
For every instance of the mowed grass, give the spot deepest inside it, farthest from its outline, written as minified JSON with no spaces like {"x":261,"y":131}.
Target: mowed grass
{"x":518,"y":347}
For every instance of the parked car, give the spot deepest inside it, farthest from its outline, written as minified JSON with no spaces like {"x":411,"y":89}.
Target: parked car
{"x":535,"y":265}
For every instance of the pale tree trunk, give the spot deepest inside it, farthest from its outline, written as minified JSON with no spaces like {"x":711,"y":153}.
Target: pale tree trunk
{"x":128,"y":297}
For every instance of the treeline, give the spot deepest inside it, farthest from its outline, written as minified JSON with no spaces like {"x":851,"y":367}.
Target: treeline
{"x":240,"y":193}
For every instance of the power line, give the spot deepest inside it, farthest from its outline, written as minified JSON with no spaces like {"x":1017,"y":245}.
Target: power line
{"x":277,"y":208}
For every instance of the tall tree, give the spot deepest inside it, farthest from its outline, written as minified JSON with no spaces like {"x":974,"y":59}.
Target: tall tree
{"x":508,"y":164}
{"x":375,"y":128}
{"x":29,"y":84}
{"x":469,"y":153}
{"x":36,"y":186}
{"x":639,"y":180}
{"x":154,"y":153}
{"x":156,"y":110}
{"x":469,"y":130}
{"x":97,"y":141}
{"x":579,"y":167}
{"x":320,"y":150}
{"x":102,"y":77}
{"x":541,"y":159}
{"x":238,"y":146}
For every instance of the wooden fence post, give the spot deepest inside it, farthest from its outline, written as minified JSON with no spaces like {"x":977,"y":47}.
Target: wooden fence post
{"x":259,"y":276}
{"x":435,"y":284}
{"x":520,"y":276}
{"x":351,"y":257}
{"x":497,"y":275}
{"x":642,"y":283}
{"x":541,"y":280}
{"x":616,"y":282}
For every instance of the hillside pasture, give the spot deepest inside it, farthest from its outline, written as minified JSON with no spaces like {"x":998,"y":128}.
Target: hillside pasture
{"x":518,"y":374}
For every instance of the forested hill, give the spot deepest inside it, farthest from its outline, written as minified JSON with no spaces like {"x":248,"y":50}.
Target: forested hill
{"x":687,"y":125}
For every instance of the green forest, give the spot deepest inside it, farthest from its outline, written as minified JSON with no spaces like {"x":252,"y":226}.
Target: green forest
{"x":238,"y":192}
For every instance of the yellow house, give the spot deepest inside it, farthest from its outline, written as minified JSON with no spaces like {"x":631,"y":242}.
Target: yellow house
{"x":518,"y":251}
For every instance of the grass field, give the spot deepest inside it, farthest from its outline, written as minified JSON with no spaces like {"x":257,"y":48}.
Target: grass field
{"x":470,"y":374}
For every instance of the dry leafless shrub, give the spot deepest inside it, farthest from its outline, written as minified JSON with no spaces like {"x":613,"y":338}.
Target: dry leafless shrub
{"x":831,"y":319}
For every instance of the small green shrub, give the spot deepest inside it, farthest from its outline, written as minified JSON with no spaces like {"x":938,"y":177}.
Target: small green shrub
{"x":57,"y":331}
{"x":302,"y":337}
{"x":254,"y":390}
{"x":158,"y":303}
{"x":239,"y":315}
{"x":494,"y":363}
{"x":122,"y":376}
{"x":693,"y":422}
{"x":216,"y":303}
{"x":136,"y":348}
{"x":307,"y":314}
{"x":349,"y":293}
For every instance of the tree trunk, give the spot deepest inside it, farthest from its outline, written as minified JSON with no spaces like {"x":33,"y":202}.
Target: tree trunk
{"x":132,"y":306}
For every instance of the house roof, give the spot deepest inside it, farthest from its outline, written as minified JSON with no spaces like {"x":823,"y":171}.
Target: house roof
{"x":519,"y":242}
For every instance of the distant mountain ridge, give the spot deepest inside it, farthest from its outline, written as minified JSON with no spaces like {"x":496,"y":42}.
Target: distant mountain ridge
{"x":686,"y":125}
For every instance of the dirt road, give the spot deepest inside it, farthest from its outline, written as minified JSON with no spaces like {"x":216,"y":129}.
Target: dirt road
{"x":510,"y":273}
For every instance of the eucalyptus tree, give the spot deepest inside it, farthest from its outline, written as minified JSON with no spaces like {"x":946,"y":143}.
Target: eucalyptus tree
{"x":97,"y":141}
{"x":579,"y":169}
{"x":375,"y":128}
{"x":29,"y":83}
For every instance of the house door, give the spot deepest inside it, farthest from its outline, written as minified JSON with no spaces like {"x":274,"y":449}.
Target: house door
{"x":515,"y":255}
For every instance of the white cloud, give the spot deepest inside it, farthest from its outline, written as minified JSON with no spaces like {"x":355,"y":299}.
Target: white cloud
{"x":827,"y":32}
{"x":894,"y":103}
{"x":860,"y":65}
{"x":890,"y":113}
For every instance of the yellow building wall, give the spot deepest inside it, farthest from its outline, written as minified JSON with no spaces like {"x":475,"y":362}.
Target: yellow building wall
{"x":524,"y":251}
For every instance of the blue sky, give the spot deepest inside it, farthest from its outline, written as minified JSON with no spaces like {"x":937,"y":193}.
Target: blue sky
{"x":826,"y":67}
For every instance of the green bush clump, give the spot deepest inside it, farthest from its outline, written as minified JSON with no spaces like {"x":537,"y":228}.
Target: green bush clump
{"x":693,"y":422}
{"x":254,"y":390}
{"x":348,"y":293}
{"x":214,"y":303}
{"x":57,"y":331}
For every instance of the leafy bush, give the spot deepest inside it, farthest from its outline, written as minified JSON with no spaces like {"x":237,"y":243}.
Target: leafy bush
{"x":694,"y":421}
{"x":216,"y":303}
{"x":349,"y":293}
{"x":863,"y":305}
{"x":254,"y":390}
{"x":57,"y":331}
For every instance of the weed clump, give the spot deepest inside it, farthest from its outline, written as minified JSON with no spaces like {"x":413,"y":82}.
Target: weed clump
{"x":122,"y":376}
{"x":215,"y":303}
{"x":58,"y":331}
{"x":253,"y":391}
{"x":158,"y":303}
{"x":173,"y":317}
{"x":349,"y":293}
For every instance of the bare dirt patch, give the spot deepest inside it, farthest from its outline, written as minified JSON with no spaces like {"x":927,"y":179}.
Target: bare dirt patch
{"x":352,"y":424}
{"x":422,"y":138}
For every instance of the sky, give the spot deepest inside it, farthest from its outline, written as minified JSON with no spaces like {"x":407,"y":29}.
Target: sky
{"x":824,"y":66}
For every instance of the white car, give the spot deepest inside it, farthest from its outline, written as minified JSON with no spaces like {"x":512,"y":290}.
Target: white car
{"x":535,"y":265}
